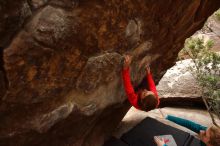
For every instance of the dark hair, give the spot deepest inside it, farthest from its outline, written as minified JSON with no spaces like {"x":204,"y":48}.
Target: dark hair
{"x":148,"y":102}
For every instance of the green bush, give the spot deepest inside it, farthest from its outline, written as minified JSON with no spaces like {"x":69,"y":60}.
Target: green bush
{"x":206,"y":70}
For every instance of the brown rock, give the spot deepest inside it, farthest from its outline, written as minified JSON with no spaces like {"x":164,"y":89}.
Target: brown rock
{"x":35,"y":4}
{"x":12,"y":17}
{"x":2,"y":84}
{"x":62,"y":68}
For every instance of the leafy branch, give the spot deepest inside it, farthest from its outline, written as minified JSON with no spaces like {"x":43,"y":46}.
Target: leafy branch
{"x":206,"y":71}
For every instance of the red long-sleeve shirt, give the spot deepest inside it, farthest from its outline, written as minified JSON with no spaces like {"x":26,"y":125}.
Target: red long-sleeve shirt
{"x":132,"y":96}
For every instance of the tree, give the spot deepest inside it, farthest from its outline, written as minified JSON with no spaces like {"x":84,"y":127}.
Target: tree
{"x":206,"y":70}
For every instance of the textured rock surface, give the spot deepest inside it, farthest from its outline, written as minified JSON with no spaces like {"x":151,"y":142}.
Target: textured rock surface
{"x":178,"y":87}
{"x":12,"y":15}
{"x":211,"y":31}
{"x":60,"y":70}
{"x":178,"y":81}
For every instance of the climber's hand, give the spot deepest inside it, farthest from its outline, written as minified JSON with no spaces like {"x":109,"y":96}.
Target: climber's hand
{"x":159,"y":142}
{"x":127,"y":61}
{"x":147,"y":67}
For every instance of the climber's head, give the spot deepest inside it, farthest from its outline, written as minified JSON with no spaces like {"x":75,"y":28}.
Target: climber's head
{"x":211,"y":136}
{"x":147,"y":100}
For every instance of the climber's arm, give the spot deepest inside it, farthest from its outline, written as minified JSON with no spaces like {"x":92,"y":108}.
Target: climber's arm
{"x":151,"y":83}
{"x":132,"y":97}
{"x":186,"y":123}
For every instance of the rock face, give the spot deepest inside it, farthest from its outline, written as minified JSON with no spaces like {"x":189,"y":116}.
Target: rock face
{"x":178,"y":85}
{"x":61,"y":61}
{"x":179,"y":82}
{"x":211,"y":31}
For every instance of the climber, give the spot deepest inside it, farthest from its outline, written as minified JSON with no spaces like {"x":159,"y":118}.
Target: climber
{"x":143,"y":99}
{"x":209,"y":136}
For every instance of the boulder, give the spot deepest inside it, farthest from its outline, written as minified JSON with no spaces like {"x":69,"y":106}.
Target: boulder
{"x":179,"y":81}
{"x":178,"y":87}
{"x":61,"y":63}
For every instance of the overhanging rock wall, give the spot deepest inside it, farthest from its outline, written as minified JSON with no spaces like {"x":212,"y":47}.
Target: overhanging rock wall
{"x":61,"y":60}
